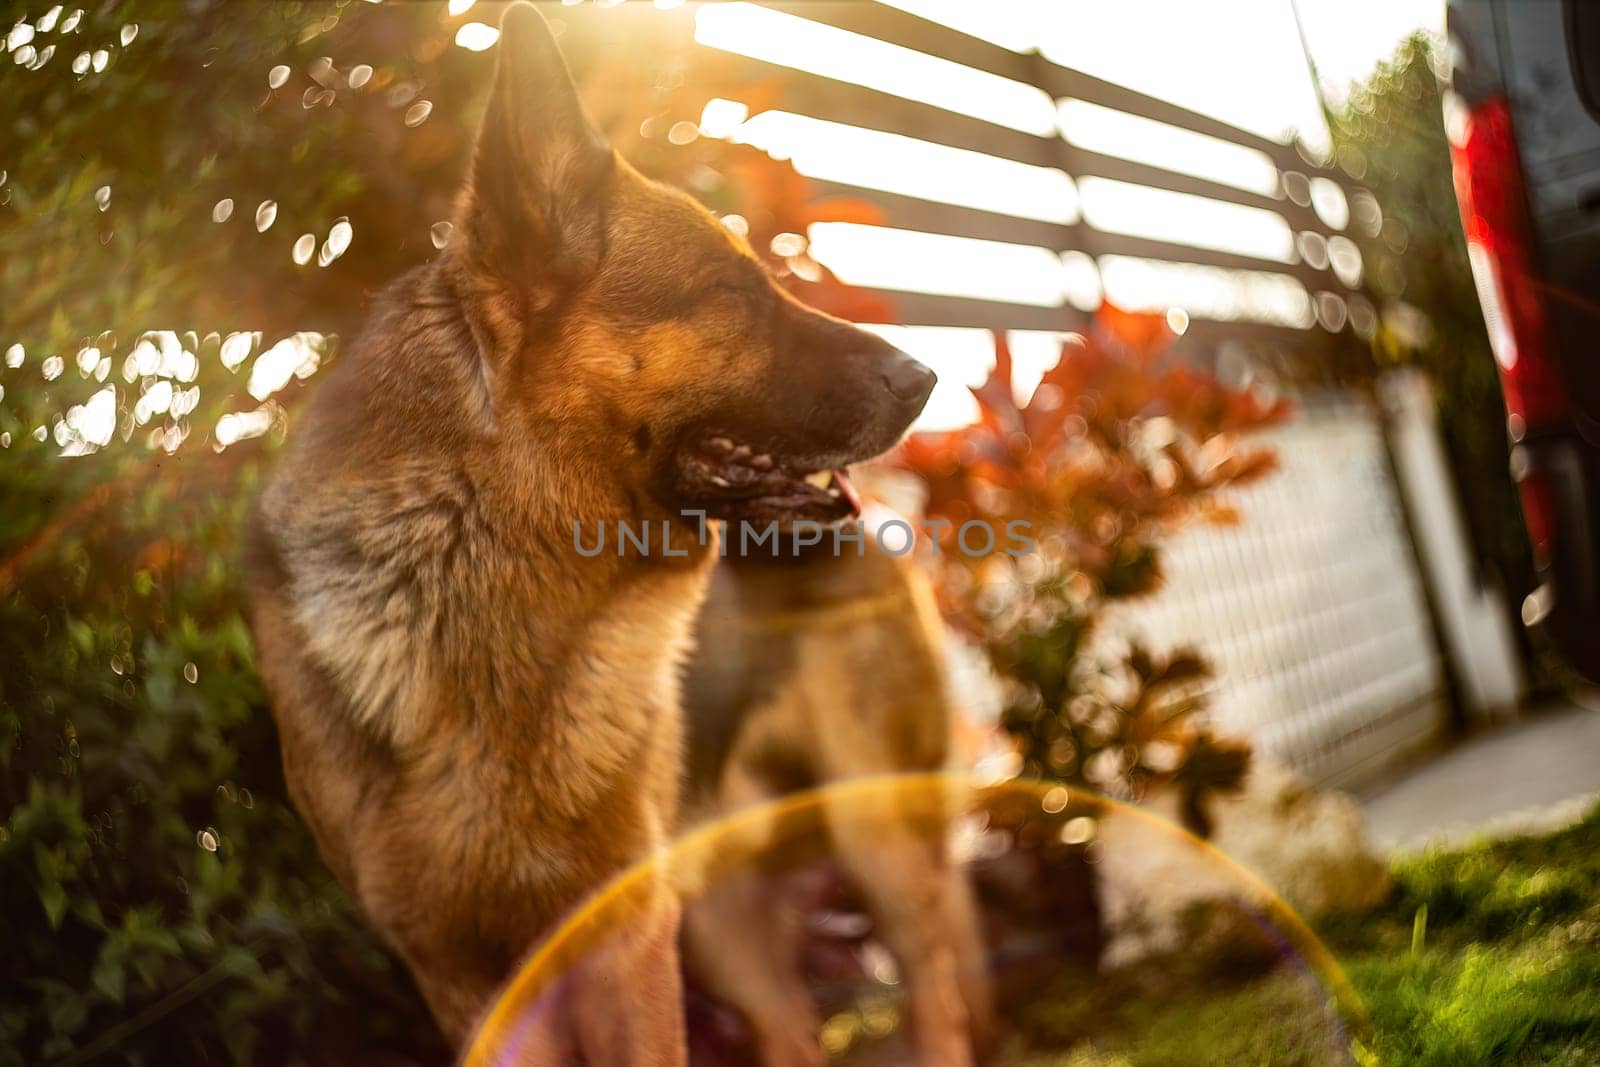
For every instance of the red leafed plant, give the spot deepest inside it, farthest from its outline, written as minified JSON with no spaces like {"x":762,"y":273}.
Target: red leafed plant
{"x":1120,"y":444}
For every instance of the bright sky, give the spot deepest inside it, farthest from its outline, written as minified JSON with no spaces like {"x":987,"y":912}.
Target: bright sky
{"x":1239,"y":60}
{"x":1349,"y":37}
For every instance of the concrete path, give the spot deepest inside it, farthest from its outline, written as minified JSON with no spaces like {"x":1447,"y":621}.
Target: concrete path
{"x":1538,"y":773}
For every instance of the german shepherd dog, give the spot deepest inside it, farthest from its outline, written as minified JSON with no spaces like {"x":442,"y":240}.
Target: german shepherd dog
{"x":817,"y":663}
{"x":479,"y":723}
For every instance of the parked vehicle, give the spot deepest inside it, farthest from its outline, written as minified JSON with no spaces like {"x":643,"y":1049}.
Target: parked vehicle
{"x":1524,"y":124}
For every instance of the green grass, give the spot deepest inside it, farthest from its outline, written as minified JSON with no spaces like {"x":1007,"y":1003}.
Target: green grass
{"x":1505,"y":969}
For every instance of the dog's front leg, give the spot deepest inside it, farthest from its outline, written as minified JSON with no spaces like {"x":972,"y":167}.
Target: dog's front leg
{"x":458,"y":984}
{"x":963,"y":923}
{"x":744,"y":947}
{"x":921,"y":916}
{"x":626,"y":998}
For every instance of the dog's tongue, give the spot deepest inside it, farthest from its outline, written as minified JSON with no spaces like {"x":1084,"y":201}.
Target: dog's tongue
{"x":847,"y":489}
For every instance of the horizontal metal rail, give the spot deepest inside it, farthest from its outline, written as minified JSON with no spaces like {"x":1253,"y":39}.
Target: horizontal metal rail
{"x":902,"y":28}
{"x":855,"y":105}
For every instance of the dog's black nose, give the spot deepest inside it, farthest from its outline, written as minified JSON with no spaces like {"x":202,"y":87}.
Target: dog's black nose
{"x":908,"y":380}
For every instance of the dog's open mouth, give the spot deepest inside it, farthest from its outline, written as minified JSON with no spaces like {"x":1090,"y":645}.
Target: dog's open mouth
{"x":739,"y":482}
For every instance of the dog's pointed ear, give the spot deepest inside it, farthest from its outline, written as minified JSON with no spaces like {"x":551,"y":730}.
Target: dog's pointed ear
{"x":532,"y":213}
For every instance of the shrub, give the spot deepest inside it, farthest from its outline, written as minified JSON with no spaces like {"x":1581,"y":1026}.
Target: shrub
{"x":1119,"y":444}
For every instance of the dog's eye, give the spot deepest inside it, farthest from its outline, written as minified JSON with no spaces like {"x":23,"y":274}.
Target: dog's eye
{"x":720,"y":296}
{"x":748,"y":295}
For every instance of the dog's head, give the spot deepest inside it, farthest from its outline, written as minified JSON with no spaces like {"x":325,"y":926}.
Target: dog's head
{"x":626,"y":314}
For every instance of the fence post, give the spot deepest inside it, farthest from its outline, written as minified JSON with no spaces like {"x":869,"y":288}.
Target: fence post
{"x":1472,"y":616}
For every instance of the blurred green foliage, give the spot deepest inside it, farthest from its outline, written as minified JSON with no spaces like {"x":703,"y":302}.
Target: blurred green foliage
{"x":162,"y":159}
{"x":159,"y":901}
{"x":1509,"y":970}
{"x":1389,"y":135}
{"x":1508,"y":973}
{"x":1120,"y":445}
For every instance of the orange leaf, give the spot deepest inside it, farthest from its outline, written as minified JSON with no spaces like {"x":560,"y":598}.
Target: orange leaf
{"x":1141,"y":331}
{"x":847,"y":209}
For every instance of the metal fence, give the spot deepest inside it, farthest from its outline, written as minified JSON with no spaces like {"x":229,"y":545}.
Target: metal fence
{"x":1316,"y":203}
{"x":1313,"y":610}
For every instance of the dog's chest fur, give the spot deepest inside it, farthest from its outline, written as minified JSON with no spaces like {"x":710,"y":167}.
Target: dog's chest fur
{"x":436,"y":612}
{"x":441,"y":660}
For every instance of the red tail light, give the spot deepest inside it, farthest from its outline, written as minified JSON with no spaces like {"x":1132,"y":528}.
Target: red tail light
{"x":1538,"y":512}
{"x":1494,"y":215}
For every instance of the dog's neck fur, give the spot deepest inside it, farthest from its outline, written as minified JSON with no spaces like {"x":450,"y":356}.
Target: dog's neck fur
{"x":445,"y":599}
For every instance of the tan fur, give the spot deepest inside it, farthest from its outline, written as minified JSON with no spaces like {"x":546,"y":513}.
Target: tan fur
{"x":812,"y":671}
{"x":479,"y":725}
